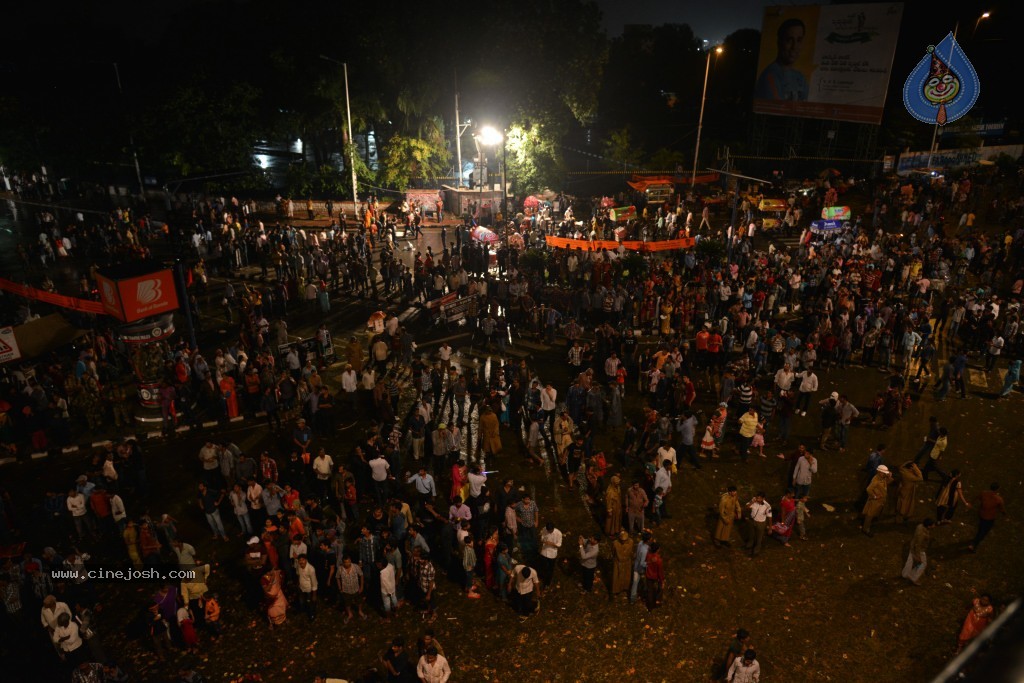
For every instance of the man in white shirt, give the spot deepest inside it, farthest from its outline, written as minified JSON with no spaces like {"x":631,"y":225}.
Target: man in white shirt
{"x":323,"y":465}
{"x":306,"y":578}
{"x":349,"y":384}
{"x":808,"y":385}
{"x":550,"y":542}
{"x":525,"y":582}
{"x":388,"y":588}
{"x":760,"y":520}
{"x":50,"y":611}
{"x":379,"y":468}
{"x":210,"y":460}
{"x":784,"y":378}
{"x":76,"y":506}
{"x":666,"y":452}
{"x":445,"y":355}
{"x":548,"y":403}
{"x":663,"y":481}
{"x":433,"y":668}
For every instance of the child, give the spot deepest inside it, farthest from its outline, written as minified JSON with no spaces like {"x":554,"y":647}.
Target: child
{"x":212,"y":612}
{"x":758,"y":440}
{"x":801,"y":513}
{"x":659,"y":501}
{"x":707,"y":444}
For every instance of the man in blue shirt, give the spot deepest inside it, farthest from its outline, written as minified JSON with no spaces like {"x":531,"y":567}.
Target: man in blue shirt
{"x":781,"y":80}
{"x":639,"y":565}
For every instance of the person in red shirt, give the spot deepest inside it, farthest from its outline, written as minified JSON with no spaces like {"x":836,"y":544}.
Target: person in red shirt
{"x":655,"y":575}
{"x":990,"y":507}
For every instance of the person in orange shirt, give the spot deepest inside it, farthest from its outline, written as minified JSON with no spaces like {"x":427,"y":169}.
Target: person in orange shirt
{"x":211,"y":611}
{"x":702,"y":345}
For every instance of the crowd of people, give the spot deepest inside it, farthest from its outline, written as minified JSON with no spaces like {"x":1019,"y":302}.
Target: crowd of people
{"x":681,"y":358}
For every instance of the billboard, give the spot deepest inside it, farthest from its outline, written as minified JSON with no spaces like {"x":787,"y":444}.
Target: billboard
{"x":827,"y":61}
{"x":955,"y":158}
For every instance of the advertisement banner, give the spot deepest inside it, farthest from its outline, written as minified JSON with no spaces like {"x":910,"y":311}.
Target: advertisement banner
{"x":955,"y":158}
{"x":8,"y":345}
{"x":629,"y":245}
{"x":147,"y":295}
{"x":827,"y":61}
{"x":839,"y":213}
{"x":74,"y":303}
{"x":460,"y":309}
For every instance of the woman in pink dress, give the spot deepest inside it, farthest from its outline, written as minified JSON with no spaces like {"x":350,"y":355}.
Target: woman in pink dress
{"x":977,"y":620}
{"x":277,"y":604}
{"x":490,"y":555}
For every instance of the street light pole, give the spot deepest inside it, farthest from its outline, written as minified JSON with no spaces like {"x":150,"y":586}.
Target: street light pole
{"x":700,"y":121}
{"x":351,"y":139}
{"x":131,"y":138}
{"x":351,"y":148}
{"x":504,"y":176}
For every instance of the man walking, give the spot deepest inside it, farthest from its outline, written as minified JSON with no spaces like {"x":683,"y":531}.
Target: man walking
{"x":761,"y":519}
{"x":991,"y":506}
{"x":878,"y":491}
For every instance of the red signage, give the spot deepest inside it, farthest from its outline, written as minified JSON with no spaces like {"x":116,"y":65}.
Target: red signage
{"x":109,"y":296}
{"x":148,"y":295}
{"x":138,"y":297}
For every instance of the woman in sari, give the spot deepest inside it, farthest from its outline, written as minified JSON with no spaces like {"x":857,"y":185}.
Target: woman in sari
{"x":459,"y":478}
{"x":227,"y":390}
{"x":490,"y":555}
{"x":783,"y":530}
{"x":977,"y":620}
{"x":613,"y":507}
{"x":622,"y":563}
{"x":277,"y":604}
{"x":910,"y":477}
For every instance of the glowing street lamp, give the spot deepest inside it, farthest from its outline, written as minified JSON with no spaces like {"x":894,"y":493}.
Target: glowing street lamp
{"x":700,"y":122}
{"x":489,"y":136}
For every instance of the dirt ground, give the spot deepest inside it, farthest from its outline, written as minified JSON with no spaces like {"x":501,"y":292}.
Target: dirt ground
{"x":832,"y":608}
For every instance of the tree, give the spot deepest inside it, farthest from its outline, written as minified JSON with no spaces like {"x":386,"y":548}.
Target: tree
{"x":408,"y":158}
{"x":534,"y":162}
{"x":204,"y":129}
{"x":666,"y":160}
{"x":620,"y":149}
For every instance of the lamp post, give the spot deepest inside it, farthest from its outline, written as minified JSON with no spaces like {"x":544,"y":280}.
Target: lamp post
{"x":351,"y":139}
{"x":700,"y":121}
{"x":460,"y":128}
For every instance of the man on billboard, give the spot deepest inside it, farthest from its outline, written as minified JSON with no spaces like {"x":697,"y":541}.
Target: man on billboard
{"x":780,"y":80}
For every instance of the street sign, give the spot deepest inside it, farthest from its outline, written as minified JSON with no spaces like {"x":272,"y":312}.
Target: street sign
{"x":8,"y":345}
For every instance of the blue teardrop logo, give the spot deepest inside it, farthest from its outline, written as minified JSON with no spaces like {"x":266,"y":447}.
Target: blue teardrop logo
{"x":943,"y":86}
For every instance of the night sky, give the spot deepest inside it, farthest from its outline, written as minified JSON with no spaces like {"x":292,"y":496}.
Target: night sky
{"x":710,"y":20}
